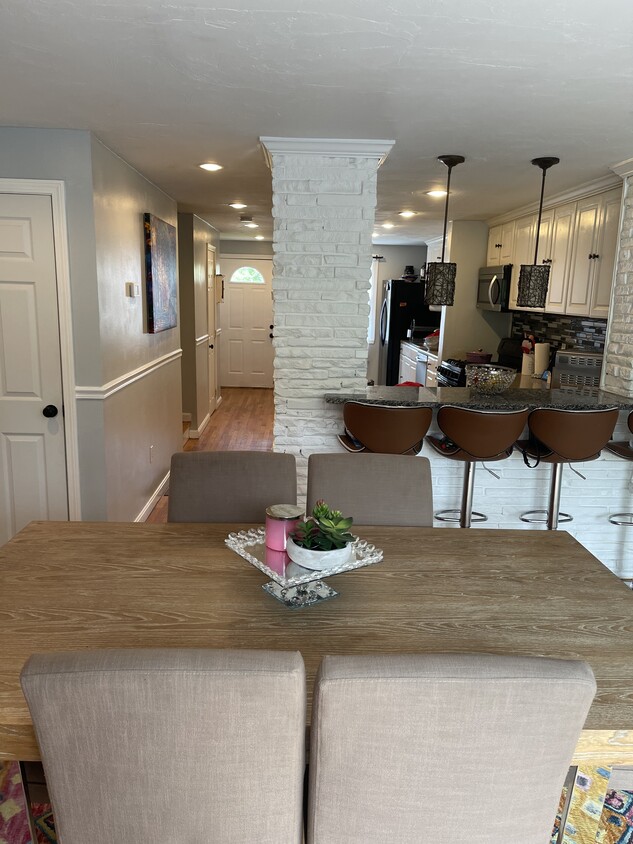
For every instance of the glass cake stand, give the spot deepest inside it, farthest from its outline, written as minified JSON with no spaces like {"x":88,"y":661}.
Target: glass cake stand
{"x":291,"y":584}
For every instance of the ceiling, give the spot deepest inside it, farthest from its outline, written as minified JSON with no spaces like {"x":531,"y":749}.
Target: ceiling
{"x":168,"y":84}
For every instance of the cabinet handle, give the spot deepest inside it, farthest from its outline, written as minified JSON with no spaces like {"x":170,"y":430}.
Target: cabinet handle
{"x":596,"y":255}
{"x":547,"y":260}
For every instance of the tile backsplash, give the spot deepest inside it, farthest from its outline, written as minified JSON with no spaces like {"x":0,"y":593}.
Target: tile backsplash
{"x":568,"y":331}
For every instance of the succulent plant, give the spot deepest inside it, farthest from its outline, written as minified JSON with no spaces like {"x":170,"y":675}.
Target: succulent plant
{"x":324,"y":530}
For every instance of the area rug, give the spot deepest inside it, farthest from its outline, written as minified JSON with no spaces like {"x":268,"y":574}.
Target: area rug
{"x":616,"y":821}
{"x":14,"y":827}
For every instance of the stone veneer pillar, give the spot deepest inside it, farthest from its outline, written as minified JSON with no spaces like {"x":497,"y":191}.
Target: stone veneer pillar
{"x":618,"y":369}
{"x":324,"y":200}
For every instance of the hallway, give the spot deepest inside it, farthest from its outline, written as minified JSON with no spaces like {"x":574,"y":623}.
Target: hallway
{"x":243,"y":422}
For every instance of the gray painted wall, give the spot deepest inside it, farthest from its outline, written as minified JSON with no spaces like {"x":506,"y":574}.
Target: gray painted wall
{"x":260,"y":248}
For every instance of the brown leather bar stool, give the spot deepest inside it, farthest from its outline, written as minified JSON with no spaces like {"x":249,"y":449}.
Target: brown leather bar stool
{"x":624,"y":450}
{"x":564,"y":436}
{"x":474,"y":436}
{"x":383,"y":428}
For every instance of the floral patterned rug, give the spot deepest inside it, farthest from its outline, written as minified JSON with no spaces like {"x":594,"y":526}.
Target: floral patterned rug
{"x":14,"y":827}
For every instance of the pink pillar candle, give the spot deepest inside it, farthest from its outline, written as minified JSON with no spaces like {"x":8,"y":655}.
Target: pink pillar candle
{"x":281,"y":520}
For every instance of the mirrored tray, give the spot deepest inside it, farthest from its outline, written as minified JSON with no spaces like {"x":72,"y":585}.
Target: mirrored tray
{"x":291,"y":584}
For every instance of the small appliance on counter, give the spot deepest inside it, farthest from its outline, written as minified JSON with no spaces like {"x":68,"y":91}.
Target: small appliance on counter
{"x":575,"y":370}
{"x":493,"y":288}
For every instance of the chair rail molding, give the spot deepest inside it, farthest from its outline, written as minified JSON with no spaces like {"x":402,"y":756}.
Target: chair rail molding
{"x":112,"y":387}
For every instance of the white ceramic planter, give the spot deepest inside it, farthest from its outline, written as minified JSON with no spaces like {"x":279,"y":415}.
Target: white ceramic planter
{"x":317,"y":560}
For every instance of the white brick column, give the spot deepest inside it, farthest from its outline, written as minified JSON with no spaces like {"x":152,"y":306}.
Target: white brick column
{"x":324,"y":200}
{"x":618,"y":370}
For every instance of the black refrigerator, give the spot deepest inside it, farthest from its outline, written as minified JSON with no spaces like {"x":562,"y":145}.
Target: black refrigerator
{"x":403,"y":302}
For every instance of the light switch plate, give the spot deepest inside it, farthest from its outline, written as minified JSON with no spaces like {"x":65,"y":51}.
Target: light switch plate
{"x":132,"y":289}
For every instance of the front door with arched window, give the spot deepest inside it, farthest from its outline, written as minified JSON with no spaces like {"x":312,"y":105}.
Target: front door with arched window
{"x":246,"y":318}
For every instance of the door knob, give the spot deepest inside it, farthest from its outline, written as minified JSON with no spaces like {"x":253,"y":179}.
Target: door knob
{"x":210,"y":345}
{"x":50,"y":411}
{"x":271,"y":327}
{"x":271,"y":335}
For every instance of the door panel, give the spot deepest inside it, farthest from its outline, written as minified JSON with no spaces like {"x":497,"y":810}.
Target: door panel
{"x":246,"y":359}
{"x":587,"y":220}
{"x":33,"y":482}
{"x":211,"y":328}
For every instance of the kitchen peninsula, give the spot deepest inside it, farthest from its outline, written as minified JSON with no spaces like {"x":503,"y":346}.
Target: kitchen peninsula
{"x":603,"y":487}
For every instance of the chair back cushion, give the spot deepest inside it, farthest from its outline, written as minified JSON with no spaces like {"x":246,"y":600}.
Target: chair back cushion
{"x":480,"y":433}
{"x":573,"y":434}
{"x":169,"y":746}
{"x":385,"y":429}
{"x":229,"y":486}
{"x":375,"y":489}
{"x":442,"y":748}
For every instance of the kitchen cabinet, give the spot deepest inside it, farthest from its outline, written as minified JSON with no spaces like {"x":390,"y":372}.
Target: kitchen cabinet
{"x":431,"y":371}
{"x":500,"y":244}
{"x":408,"y":357}
{"x":593,"y":256}
{"x":579,"y":241}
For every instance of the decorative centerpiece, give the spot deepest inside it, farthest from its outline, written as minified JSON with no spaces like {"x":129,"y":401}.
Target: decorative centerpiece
{"x":321,"y":541}
{"x":489,"y":379}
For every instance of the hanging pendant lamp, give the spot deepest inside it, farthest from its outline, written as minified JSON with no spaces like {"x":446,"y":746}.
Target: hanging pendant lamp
{"x":440,"y":277}
{"x":534,"y":278}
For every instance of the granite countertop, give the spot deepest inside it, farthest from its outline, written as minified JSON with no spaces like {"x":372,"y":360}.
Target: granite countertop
{"x":535,"y":395}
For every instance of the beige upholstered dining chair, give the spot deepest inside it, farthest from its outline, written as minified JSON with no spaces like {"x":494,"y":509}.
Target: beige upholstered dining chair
{"x":229,"y":486}
{"x":375,"y":489}
{"x":442,"y":748}
{"x":168,"y":746}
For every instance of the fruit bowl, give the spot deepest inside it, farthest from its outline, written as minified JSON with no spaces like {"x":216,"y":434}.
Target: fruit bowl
{"x":489,"y":379}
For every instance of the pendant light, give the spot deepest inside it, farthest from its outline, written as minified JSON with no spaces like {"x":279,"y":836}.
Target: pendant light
{"x":534,"y":278}
{"x":440,"y":277}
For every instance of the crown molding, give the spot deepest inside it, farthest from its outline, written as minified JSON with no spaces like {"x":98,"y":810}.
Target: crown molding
{"x":361,"y":148}
{"x":623,"y":168}
{"x":579,"y":192}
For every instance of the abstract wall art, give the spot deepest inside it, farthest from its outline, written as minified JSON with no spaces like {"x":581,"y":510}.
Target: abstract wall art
{"x":160,"y":274}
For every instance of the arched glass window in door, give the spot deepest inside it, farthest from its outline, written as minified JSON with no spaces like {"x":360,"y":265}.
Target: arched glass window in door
{"x":247,"y":275}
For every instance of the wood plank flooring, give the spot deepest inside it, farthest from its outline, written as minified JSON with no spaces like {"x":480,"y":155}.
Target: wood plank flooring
{"x":243,"y":422}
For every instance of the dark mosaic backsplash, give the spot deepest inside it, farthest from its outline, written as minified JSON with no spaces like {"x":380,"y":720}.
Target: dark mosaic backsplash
{"x":572,"y":332}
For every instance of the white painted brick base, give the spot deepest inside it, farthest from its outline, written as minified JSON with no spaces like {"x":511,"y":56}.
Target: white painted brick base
{"x":323,"y":209}
{"x":619,"y":347}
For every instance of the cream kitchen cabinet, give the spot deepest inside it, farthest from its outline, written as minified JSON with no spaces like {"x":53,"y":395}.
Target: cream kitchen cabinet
{"x":522,"y":253}
{"x":593,"y":255}
{"x":408,"y":359}
{"x":556,"y":251}
{"x":431,"y":371}
{"x":500,"y":244}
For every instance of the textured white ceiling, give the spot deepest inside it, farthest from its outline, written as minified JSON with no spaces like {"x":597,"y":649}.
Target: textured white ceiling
{"x":168,"y":85}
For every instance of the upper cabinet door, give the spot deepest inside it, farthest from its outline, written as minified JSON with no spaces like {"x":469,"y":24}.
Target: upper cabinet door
{"x":523,"y":253}
{"x":559,"y":256}
{"x":605,"y":252}
{"x":588,"y":213}
{"x":493,"y":257}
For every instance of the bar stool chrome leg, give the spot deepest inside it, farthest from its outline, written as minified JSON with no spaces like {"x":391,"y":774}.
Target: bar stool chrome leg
{"x":465,"y":515}
{"x":622,"y":519}
{"x":551,"y":516}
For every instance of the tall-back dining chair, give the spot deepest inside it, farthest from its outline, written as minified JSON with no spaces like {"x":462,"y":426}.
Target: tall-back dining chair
{"x":442,"y":748}
{"x":384,"y":429}
{"x":171,"y":745}
{"x":375,"y":489}
{"x":229,"y":486}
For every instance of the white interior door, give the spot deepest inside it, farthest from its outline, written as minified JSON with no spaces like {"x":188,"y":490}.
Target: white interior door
{"x":33,"y":482}
{"x":246,"y":317}
{"x":211,"y":318}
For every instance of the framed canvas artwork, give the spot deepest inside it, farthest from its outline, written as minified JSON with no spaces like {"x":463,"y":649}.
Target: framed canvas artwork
{"x":160,"y":274}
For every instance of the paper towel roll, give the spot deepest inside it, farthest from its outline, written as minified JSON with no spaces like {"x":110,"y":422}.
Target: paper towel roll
{"x":527,"y":365}
{"x":541,"y":358}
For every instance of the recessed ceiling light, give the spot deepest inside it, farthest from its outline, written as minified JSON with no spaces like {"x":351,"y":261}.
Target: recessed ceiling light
{"x":436,"y":193}
{"x":237,"y":205}
{"x":209,"y":165}
{"x":407,"y":213}
{"x":388,"y":225}
{"x":259,"y":237}
{"x":251,"y":225}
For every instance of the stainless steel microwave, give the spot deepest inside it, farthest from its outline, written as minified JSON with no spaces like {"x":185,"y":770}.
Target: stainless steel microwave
{"x":493,"y":288}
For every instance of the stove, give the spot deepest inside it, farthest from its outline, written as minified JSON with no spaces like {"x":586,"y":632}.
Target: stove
{"x":451,"y":373}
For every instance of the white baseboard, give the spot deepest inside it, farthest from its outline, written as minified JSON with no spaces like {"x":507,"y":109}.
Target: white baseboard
{"x":158,"y":492}
{"x":194,"y":433}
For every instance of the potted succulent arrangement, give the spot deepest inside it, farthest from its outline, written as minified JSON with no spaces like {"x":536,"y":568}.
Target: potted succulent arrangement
{"x":321,"y":541}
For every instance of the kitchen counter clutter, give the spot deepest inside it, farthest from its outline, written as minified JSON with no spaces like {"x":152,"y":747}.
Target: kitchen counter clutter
{"x":526,"y":392}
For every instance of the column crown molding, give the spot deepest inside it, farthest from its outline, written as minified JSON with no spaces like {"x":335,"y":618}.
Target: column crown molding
{"x":623,"y":168}
{"x":361,"y":147}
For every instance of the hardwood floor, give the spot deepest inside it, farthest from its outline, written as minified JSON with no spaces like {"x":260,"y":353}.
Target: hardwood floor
{"x":243,"y":422}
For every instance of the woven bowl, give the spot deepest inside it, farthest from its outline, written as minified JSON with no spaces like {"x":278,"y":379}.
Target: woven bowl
{"x":489,"y":379}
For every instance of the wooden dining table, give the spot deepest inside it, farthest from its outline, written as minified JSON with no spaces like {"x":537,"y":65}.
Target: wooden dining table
{"x":84,"y":585}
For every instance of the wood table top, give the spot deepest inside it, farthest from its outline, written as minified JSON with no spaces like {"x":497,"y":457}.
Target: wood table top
{"x":79,"y":585}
